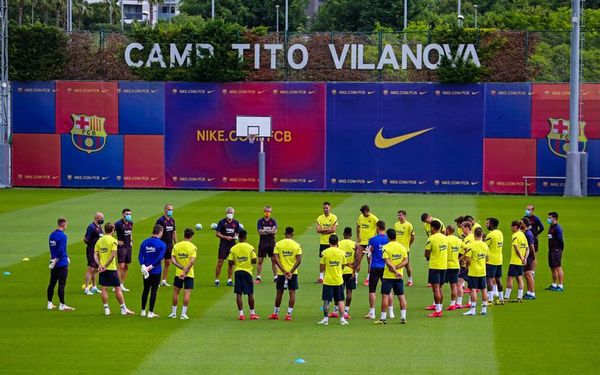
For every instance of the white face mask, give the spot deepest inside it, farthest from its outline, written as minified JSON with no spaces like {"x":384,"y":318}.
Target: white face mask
{"x":229,"y":216}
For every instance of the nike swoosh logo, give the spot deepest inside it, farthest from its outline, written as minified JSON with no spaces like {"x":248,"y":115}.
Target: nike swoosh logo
{"x":311,"y":181}
{"x":312,"y":92}
{"x":422,"y":182}
{"x":210,"y":91}
{"x":104,"y":178}
{"x":381,"y":142}
{"x":210,"y":179}
{"x":473,"y":183}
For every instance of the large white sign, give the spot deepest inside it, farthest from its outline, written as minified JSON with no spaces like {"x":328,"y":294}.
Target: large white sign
{"x":350,"y":56}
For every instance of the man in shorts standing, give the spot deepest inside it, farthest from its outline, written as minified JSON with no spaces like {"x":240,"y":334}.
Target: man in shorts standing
{"x":475,"y":260}
{"x":169,"y":237}
{"x":184,"y":257}
{"x":436,"y":252}
{"x":241,"y":258}
{"x":92,"y":234}
{"x":349,"y":248}
{"x":227,"y":231}
{"x":332,"y":264}
{"x":105,"y":255}
{"x":287,"y":257}
{"x":395,"y":256}
{"x":267,"y":229}
{"x":556,"y":246}
{"x":325,"y":226}
{"x":124,"y":228}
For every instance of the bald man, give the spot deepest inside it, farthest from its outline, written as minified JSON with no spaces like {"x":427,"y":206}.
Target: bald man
{"x":92,"y":235}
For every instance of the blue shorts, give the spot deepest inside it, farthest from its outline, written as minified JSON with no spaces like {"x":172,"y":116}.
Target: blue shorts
{"x":349,"y":281}
{"x":397,"y":285}
{"x":292,"y":283}
{"x":514,"y":270}
{"x":243,"y":283}
{"x":333,"y":292}
{"x":187,"y":283}
{"x":462,"y":273}
{"x":451,"y":276}
{"x":437,"y":276}
{"x":492,"y":271}
{"x":476,"y":282}
{"x":109,"y":278}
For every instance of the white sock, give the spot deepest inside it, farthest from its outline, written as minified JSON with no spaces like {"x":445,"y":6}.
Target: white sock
{"x":326,"y":318}
{"x":61,"y":306}
{"x":276,"y":310}
{"x":336,"y":309}
{"x":321,"y":275}
{"x":507,"y":293}
{"x":372,"y":312}
{"x":383,"y":315}
{"x":501,"y":296}
{"x":554,"y":285}
{"x":184,"y":310}
{"x":356,"y":277}
{"x":258,"y":277}
{"x":229,"y":280}
{"x":438,"y":307}
{"x":519,"y":293}
{"x":49,"y":304}
{"x":106,"y":305}
{"x":452,"y":303}
{"x":123,"y":307}
{"x":217,"y":280}
{"x":174,"y":310}
{"x":473,"y":306}
{"x":391,"y":310}
{"x":495,"y":289}
{"x":367,"y":276}
{"x":346,"y":309}
{"x":459,"y":300}
{"x":410,"y":279}
{"x":252,"y":312}
{"x":403,"y":314}
{"x":290,"y":310}
{"x":122,"y":286}
{"x":491,"y":294}
{"x":560,"y":286}
{"x":241,"y":312}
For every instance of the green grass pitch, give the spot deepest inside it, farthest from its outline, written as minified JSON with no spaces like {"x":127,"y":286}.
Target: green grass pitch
{"x":557,"y":333}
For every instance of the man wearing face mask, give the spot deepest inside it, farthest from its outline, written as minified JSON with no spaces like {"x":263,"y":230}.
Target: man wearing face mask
{"x":536,"y":227}
{"x":227,"y":231}
{"x":267,"y":229}
{"x":92,"y":235}
{"x":556,"y":245}
{"x":124,"y":228}
{"x":169,"y":237}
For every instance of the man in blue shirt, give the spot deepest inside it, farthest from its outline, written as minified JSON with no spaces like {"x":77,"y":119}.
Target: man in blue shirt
{"x":59,"y":265}
{"x":124,"y":229}
{"x":92,"y":235}
{"x":556,"y":245}
{"x":530,"y":264}
{"x":152,"y":252}
{"x":375,"y":251}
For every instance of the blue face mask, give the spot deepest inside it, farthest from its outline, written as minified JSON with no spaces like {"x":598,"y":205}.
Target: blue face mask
{"x":549,"y":221}
{"x":527,"y":213}
{"x":170,"y":213}
{"x":128,"y":218}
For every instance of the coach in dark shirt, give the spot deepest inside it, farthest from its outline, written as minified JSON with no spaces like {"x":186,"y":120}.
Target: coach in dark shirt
{"x":227,"y":230}
{"x":536,"y":227}
{"x":92,"y":235}
{"x":556,"y":246}
{"x":124,"y":229}
{"x":169,"y":237}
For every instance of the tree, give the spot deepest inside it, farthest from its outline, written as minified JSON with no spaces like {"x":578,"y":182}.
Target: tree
{"x":82,"y":8}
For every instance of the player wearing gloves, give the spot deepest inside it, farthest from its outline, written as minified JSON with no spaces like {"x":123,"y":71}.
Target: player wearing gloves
{"x":152,"y":251}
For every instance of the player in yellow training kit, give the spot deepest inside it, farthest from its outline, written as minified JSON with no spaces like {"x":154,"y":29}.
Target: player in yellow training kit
{"x":333,"y":261}
{"x":326,"y":226}
{"x":475,"y":260}
{"x":241,"y":259}
{"x":287,"y":256}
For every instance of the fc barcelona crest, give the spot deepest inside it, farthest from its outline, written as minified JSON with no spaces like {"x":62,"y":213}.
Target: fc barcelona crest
{"x":558,"y":136}
{"x":88,"y":133}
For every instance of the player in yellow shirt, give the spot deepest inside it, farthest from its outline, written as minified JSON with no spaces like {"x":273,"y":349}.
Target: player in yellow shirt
{"x":475,"y":260}
{"x":462,"y":287}
{"x":366,"y":227}
{"x":436,"y":252}
{"x":518,"y":257}
{"x":495,"y":242}
{"x":395,"y":256}
{"x":242,"y":257}
{"x":287,"y":257}
{"x":405,"y":234}
{"x":326,"y":226}
{"x":451,"y":277}
{"x":427,"y":219}
{"x":333,"y":261}
{"x":105,"y":256}
{"x":183,"y":257}
{"x":350,"y":248}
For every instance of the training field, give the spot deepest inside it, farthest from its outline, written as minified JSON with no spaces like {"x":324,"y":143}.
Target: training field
{"x":557,"y":333}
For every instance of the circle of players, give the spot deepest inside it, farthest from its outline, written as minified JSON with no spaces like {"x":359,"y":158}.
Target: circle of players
{"x":460,"y":255}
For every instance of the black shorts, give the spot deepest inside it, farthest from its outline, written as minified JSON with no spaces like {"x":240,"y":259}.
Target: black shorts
{"x":349,"y":281}
{"x":529,"y":266}
{"x":91,"y":262}
{"x":266,"y":248}
{"x":187,"y":283}
{"x":493,"y":271}
{"x":124,"y":255}
{"x":224,"y":250}
{"x":476,"y":282}
{"x":243,"y":283}
{"x":437,"y":276}
{"x":462,"y":273}
{"x":397,"y":285}
{"x":322,"y":248}
{"x":514,"y":270}
{"x":169,"y":252}
{"x":333,"y":292}
{"x":109,"y":278}
{"x":292,"y":283}
{"x":555,"y":258}
{"x":375,"y":274}
{"x":451,"y":276}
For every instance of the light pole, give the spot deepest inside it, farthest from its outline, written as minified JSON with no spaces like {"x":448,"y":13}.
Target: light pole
{"x":212,"y":9}
{"x":69,"y":15}
{"x":122,"y":16}
{"x":405,"y":14}
{"x":475,"y":15}
{"x":286,"y":17}
{"x":459,"y":15}
{"x":277,"y":21}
